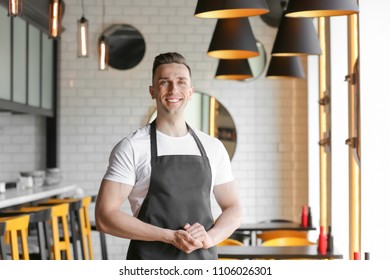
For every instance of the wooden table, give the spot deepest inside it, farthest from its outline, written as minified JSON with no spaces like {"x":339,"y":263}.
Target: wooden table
{"x":256,"y":227}
{"x":274,"y":252}
{"x":13,"y":197}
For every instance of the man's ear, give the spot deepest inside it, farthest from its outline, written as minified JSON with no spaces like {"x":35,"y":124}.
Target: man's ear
{"x":151,"y":92}
{"x":192,"y":90}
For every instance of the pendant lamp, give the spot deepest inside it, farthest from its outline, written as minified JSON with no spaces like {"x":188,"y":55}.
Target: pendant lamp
{"x":233,"y":39}
{"x":103,"y":45}
{"x":321,"y":8}
{"x":103,"y":53}
{"x":230,"y":8}
{"x":233,"y":69}
{"x":15,"y":7}
{"x":285,"y":67}
{"x":296,"y":36}
{"x":82,"y":35}
{"x":55,"y":17}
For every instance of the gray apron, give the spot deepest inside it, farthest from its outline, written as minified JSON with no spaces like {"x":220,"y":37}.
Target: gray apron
{"x":179,"y":193}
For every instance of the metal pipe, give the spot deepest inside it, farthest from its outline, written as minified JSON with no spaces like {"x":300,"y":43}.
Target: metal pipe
{"x":354,"y":136}
{"x":325,"y":123}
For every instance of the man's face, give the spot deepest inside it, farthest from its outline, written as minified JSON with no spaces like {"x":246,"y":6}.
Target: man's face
{"x":171,"y":88}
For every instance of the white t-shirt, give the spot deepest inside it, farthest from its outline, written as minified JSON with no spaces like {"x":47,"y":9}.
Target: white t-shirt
{"x":129,"y":161}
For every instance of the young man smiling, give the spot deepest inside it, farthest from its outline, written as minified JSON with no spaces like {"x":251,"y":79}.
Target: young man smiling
{"x":168,"y":171}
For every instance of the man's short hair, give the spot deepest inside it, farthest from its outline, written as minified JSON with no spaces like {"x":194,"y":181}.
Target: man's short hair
{"x":167,"y":58}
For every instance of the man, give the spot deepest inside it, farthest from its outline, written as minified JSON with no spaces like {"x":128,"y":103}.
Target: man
{"x":167,"y":172}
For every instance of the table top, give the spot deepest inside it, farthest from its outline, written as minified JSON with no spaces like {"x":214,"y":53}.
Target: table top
{"x":17,"y":196}
{"x":272,"y":226}
{"x":275,"y":252}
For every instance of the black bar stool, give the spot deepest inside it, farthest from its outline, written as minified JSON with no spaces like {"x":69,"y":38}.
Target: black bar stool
{"x":103,"y":243}
{"x":39,"y":219}
{"x":2,"y":245}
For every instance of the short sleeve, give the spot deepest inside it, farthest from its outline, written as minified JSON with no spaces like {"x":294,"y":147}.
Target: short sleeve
{"x":121,"y":164}
{"x":223,"y":172}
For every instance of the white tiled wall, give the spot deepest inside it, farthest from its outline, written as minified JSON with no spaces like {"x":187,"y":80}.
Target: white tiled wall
{"x":97,"y":109}
{"x":22,"y":145}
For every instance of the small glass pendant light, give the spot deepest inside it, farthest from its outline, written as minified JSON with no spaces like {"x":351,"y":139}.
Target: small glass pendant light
{"x":55,"y":13}
{"x":82,"y":35}
{"x":14,"y":7}
{"x":103,"y":53}
{"x":103,"y":46}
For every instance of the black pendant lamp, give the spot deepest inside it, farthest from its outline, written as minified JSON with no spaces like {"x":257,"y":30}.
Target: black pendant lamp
{"x":285,"y":67}
{"x":233,"y":69}
{"x":230,"y":8}
{"x":321,"y":8}
{"x":233,"y":39}
{"x":296,"y":36}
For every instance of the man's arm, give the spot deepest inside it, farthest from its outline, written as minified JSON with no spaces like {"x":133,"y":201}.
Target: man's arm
{"x":227,"y":198}
{"x":110,"y":219}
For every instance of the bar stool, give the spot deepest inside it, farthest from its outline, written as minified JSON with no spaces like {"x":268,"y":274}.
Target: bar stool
{"x":15,"y":227}
{"x":40,"y":219}
{"x":2,"y":245}
{"x":59,"y":216}
{"x":102,"y":236}
{"x":79,"y":223}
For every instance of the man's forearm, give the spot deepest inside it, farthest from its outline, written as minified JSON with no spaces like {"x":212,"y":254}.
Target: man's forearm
{"x":226,"y":224}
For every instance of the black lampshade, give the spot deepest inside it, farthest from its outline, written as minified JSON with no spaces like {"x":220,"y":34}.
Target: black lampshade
{"x":233,"y":69}
{"x":233,"y":39}
{"x":296,"y":36}
{"x":285,"y":67}
{"x":321,"y":8}
{"x":230,"y":8}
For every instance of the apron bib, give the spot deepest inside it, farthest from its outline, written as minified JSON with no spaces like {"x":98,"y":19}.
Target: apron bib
{"x":179,"y":193}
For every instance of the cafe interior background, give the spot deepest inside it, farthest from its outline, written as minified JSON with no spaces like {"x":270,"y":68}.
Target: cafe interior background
{"x":276,"y":121}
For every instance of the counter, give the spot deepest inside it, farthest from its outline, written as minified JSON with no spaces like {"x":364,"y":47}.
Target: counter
{"x":13,"y":197}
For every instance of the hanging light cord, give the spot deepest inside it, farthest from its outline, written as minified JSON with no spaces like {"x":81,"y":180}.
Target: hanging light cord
{"x":104,"y":8}
{"x":82,"y":7}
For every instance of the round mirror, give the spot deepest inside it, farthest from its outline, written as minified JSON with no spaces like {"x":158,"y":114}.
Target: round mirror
{"x":126,"y":46}
{"x":257,"y":63}
{"x":276,"y":8}
{"x":207,"y":114}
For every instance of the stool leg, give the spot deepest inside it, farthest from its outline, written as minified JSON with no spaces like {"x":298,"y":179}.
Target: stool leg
{"x":103,"y":245}
{"x":42,"y":241}
{"x":2,"y":250}
{"x":75,"y":237}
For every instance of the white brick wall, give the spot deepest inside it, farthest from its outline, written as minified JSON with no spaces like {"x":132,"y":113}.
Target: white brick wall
{"x":97,"y":109}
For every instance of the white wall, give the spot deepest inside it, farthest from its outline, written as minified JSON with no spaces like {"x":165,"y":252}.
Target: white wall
{"x":375,"y":97}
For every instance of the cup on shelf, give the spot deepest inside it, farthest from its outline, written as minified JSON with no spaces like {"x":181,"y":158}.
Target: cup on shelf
{"x":53,"y":176}
{"x":2,"y":187}
{"x":38,"y":178}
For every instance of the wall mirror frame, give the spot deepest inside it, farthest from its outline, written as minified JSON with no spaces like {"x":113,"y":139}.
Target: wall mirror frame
{"x":126,"y":46}
{"x":257,"y":63}
{"x":206,"y":113}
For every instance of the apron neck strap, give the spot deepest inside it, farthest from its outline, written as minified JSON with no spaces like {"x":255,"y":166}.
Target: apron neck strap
{"x":153,"y":141}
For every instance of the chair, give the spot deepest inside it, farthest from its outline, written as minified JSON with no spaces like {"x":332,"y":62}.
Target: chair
{"x":15,"y":227}
{"x":272,"y":234}
{"x":229,"y":242}
{"x":59,"y":216}
{"x":288,"y":241}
